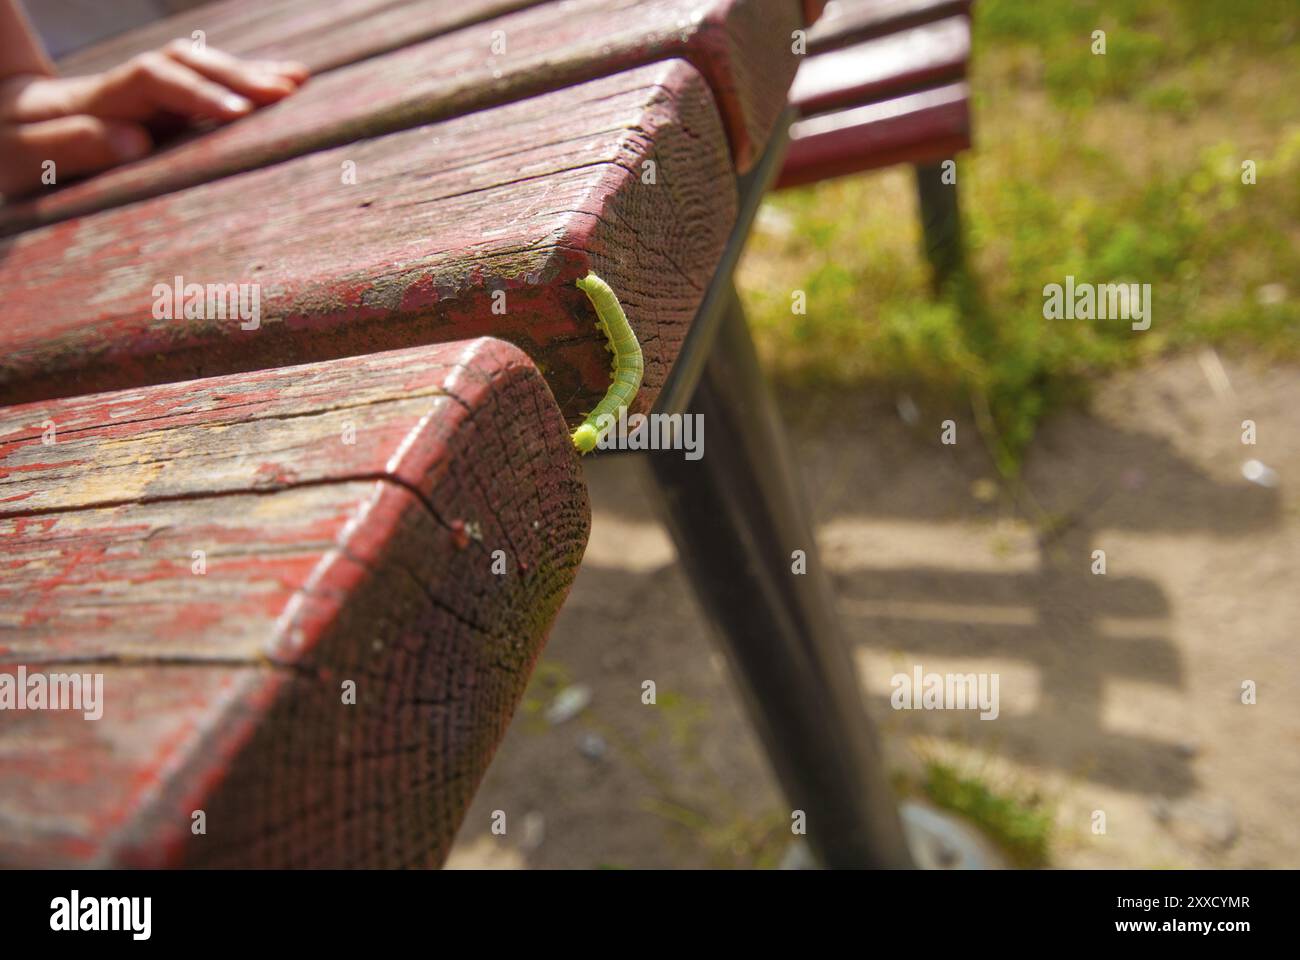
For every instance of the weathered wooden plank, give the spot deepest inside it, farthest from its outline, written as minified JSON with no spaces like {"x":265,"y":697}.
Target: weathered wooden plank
{"x":741,"y":47}
{"x":923,"y":56}
{"x":921,"y":127}
{"x":321,"y":35}
{"x":850,"y":21}
{"x":477,"y":225}
{"x":325,"y":562}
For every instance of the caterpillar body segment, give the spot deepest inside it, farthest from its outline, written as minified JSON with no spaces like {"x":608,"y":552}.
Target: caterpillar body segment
{"x":628,"y":366}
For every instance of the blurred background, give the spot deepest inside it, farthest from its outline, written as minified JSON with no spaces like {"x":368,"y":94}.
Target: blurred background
{"x":1119,"y":693}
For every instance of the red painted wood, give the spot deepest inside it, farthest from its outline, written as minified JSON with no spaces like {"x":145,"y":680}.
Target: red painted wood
{"x":856,"y":88}
{"x":741,"y":47}
{"x":326,"y":562}
{"x":522,"y":199}
{"x":922,"y":56}
{"x":321,"y":35}
{"x":847,"y":22}
{"x":918,"y":128}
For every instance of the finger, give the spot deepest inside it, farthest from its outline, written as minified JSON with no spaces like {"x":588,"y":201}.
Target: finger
{"x":181,"y":89}
{"x":27,"y":99}
{"x":64,"y":148}
{"x":257,"y":81}
{"x":152,"y":82}
{"x":295,"y":71}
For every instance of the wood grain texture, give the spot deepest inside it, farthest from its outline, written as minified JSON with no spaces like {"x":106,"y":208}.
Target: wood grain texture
{"x":522,"y":199}
{"x":847,"y":22}
{"x":321,"y":35}
{"x":924,"y":56}
{"x":740,"y":47}
{"x":326,"y":562}
{"x":923,"y":127}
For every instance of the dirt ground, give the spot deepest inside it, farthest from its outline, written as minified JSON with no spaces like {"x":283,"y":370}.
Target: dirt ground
{"x":1120,"y":693}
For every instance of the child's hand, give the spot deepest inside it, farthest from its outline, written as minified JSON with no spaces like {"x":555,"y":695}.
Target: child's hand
{"x":88,"y":123}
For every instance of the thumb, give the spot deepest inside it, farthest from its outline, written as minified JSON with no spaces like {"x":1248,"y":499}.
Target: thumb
{"x":77,"y":145}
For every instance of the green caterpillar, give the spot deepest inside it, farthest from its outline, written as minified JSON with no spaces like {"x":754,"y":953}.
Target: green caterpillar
{"x":629,"y":365}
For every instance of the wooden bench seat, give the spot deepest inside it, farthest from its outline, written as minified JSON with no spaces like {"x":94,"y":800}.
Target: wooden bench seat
{"x":884,"y":83}
{"x":229,"y":553}
{"x":314,"y":551}
{"x":740,"y":47}
{"x":321,"y":35}
{"x":476,"y":225}
{"x":882,"y":68}
{"x":919,"y":128}
{"x":846,"y":22}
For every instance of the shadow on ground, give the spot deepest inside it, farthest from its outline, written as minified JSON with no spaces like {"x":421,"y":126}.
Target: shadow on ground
{"x":1120,"y":692}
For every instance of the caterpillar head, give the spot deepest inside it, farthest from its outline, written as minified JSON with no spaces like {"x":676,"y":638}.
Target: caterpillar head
{"x":585,"y":438}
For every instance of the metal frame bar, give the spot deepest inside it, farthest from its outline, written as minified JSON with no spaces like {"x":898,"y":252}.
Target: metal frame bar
{"x":737,"y":515}
{"x":940,"y":223}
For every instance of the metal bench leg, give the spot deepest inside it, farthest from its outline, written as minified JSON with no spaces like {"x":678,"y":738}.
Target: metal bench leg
{"x":737,"y":516}
{"x":941,"y":222}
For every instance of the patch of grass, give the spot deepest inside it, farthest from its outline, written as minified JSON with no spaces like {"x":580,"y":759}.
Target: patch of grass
{"x":732,"y":841}
{"x":1118,"y":168}
{"x":548,"y":679}
{"x":1020,"y":825}
{"x":700,"y":812}
{"x":1141,"y":38}
{"x":685,"y":718}
{"x":1173,"y":98}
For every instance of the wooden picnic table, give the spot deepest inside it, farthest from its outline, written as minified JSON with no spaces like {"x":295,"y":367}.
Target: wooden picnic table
{"x":315,"y":553}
